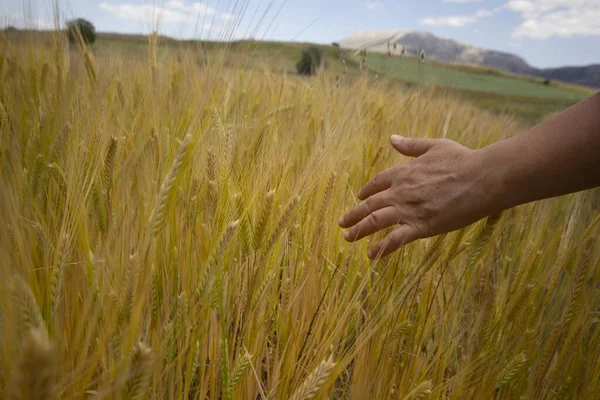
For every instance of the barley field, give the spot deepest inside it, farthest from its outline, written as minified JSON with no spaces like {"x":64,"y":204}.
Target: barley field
{"x":169,"y":231}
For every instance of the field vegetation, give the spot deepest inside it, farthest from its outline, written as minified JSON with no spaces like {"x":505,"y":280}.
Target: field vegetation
{"x":169,"y":230}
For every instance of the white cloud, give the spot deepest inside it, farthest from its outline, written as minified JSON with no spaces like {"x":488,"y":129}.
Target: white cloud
{"x":461,"y":1}
{"x":173,"y":11}
{"x":372,"y":5}
{"x":563,"y":18}
{"x":26,"y":22}
{"x":457,"y":21}
{"x":175,"y":4}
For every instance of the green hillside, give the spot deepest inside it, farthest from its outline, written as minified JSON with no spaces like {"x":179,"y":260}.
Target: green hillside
{"x":427,"y":73}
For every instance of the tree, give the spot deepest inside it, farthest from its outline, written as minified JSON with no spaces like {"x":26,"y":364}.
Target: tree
{"x":311,"y":60}
{"x":82,"y":27}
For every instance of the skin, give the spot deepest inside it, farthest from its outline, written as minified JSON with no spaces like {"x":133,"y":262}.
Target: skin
{"x":448,"y":186}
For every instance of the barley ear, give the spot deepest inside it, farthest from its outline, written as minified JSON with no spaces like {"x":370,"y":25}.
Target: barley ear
{"x":138,"y":374}
{"x":483,"y":239}
{"x":263,"y":220}
{"x":281,"y":224}
{"x":422,"y":391}
{"x":514,"y":368}
{"x":315,"y":381}
{"x":157,"y":218}
{"x":109,"y":166}
{"x":59,"y":177}
{"x":206,"y":275}
{"x":34,"y":375}
{"x":239,"y":370}
{"x":26,"y":307}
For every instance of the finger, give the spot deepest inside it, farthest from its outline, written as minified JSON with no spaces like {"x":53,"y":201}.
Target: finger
{"x":371,"y":204}
{"x":380,"y":182}
{"x":395,"y":240}
{"x":377,"y":221}
{"x":413,"y":147}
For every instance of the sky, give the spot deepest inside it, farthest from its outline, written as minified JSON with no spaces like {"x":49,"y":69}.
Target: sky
{"x":546,"y":33}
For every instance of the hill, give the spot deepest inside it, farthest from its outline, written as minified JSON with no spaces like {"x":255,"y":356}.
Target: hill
{"x":449,"y":50}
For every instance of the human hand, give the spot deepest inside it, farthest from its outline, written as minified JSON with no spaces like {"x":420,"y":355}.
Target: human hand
{"x":439,"y":191}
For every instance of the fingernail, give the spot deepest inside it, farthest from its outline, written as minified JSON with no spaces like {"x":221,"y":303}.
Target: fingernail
{"x":347,"y":235}
{"x":396,"y":138}
{"x":371,"y":253}
{"x":341,"y":221}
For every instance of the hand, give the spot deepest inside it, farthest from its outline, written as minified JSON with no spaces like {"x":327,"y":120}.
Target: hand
{"x":437,"y":192}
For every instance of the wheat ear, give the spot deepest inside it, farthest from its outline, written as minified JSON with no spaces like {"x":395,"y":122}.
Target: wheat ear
{"x":263,"y":219}
{"x":34,"y":376}
{"x":139,"y":372}
{"x":514,"y":368}
{"x":216,"y":255}
{"x":315,"y":381}
{"x":157,"y":218}
{"x":422,"y":391}
{"x":26,"y":307}
{"x":239,"y":370}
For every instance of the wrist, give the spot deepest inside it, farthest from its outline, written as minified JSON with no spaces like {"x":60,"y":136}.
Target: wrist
{"x":496,"y":177}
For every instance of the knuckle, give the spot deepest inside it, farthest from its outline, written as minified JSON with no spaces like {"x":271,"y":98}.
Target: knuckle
{"x":399,"y":215}
{"x":421,"y":229}
{"x":368,"y":204}
{"x":395,"y":239}
{"x":375,"y":220}
{"x":374,"y":182}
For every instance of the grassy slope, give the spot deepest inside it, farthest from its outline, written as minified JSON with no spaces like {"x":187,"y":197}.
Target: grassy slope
{"x":441,"y":75}
{"x":490,"y":89}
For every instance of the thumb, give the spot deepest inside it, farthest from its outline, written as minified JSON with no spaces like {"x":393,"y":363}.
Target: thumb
{"x":412,"y":147}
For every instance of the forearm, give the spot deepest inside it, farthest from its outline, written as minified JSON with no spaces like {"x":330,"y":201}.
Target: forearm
{"x":556,"y":157}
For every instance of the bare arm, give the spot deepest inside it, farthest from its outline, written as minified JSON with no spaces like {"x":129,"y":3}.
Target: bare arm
{"x":448,"y":186}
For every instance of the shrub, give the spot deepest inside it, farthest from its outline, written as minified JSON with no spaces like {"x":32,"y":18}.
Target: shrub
{"x":81,"y":27}
{"x":311,"y":60}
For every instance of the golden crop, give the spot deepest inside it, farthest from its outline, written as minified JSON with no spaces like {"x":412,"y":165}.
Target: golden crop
{"x":168,"y":230}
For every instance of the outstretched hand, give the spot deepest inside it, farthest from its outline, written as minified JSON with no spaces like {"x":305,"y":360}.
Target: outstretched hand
{"x":437,"y":192}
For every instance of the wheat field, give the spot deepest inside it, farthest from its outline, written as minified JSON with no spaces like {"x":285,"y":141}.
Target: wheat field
{"x":169,"y":230}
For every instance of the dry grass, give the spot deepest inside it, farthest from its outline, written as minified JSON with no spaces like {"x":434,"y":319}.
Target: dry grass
{"x":172,"y":227}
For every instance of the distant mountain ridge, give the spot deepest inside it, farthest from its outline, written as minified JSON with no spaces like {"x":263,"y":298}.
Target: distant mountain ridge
{"x":450,"y":50}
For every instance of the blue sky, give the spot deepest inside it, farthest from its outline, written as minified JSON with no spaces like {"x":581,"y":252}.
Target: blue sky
{"x":546,"y":33}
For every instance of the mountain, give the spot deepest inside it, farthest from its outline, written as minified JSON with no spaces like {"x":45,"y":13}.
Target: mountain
{"x":587,"y":76}
{"x":450,"y":50}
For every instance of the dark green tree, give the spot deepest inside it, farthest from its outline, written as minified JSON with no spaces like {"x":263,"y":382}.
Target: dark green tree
{"x":81,"y":27}
{"x":311,"y":60}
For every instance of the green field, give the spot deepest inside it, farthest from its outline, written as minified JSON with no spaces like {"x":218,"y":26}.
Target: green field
{"x":437,"y":74}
